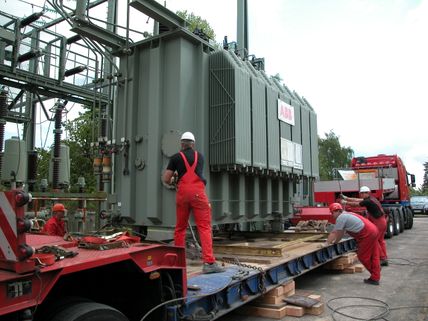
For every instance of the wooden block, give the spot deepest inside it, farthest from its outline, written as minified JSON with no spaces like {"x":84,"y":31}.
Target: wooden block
{"x":349,"y":269}
{"x":289,"y":293}
{"x":334,"y":266}
{"x":290,"y":285}
{"x":317,"y":309}
{"x":342,"y":260}
{"x":295,"y":311}
{"x":304,"y":292}
{"x":315,"y":297}
{"x":268,"y":299}
{"x":359,"y":267}
{"x":263,"y":312}
{"x":265,"y":305}
{"x":279,"y":290}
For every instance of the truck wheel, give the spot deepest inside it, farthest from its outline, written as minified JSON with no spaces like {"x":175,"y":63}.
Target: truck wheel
{"x":396,"y":216}
{"x":389,"y":226}
{"x":410,"y":220}
{"x":52,"y":307}
{"x":90,"y":311}
{"x":401,"y":212}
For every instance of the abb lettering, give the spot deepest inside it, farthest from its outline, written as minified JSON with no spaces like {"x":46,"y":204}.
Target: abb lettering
{"x":285,"y":112}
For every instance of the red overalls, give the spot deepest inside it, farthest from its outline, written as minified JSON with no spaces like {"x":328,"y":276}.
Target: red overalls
{"x":191,"y":196}
{"x":367,"y":247}
{"x":381,"y":224}
{"x":54,"y":226}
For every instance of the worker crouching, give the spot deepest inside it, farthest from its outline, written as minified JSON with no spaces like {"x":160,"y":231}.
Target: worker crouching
{"x":364,"y":232}
{"x":55,"y":225}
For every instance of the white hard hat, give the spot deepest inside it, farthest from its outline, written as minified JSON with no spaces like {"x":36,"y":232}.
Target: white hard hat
{"x":188,"y":136}
{"x":364,"y":189}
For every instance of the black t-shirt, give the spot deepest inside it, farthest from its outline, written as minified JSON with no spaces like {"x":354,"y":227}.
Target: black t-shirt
{"x":372,"y":207}
{"x":176,"y":163}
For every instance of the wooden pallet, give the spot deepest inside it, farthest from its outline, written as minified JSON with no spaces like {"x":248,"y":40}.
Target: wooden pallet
{"x":271,"y":305}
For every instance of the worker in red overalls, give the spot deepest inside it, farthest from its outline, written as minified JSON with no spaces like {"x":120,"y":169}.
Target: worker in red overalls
{"x":55,"y":225}
{"x":364,"y":232}
{"x":191,"y":195}
{"x":376,"y":215}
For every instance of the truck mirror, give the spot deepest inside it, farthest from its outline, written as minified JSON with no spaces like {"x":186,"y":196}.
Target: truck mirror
{"x":413,"y":180}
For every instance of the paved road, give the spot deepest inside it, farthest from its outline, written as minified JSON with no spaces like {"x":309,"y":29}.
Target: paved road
{"x":404,"y":284}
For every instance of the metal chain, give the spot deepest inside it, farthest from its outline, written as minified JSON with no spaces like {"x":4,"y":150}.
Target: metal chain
{"x":262,"y":273}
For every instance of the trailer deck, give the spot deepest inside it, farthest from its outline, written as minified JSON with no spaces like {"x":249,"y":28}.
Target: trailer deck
{"x":249,"y":276}
{"x":251,"y":269}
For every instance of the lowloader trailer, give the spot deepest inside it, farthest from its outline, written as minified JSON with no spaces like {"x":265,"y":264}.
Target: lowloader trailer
{"x":51,"y":279}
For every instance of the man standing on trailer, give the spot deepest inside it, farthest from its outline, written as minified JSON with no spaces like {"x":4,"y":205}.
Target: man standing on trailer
{"x":364,"y":232}
{"x":376,"y":215}
{"x":55,"y":225}
{"x":191,"y":195}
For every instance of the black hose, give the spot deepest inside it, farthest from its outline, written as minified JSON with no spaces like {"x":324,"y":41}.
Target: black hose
{"x":383,"y":306}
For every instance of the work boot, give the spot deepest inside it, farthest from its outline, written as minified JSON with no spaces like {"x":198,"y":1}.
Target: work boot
{"x":384,"y":263}
{"x":212,"y":268}
{"x":370,"y":281}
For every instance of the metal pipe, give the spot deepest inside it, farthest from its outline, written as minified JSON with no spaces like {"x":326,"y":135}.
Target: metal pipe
{"x":125,"y":103}
{"x":242,"y":27}
{"x":80,"y":9}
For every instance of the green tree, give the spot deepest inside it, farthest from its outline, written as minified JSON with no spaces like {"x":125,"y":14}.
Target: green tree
{"x":79,"y":141}
{"x":196,"y":22}
{"x":332,"y":155}
{"x":425,"y":182}
{"x":43,"y":159}
{"x":79,"y":138}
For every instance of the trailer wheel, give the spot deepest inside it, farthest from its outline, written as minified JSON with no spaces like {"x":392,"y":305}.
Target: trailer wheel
{"x":396,"y":216}
{"x":401,"y":212}
{"x":90,"y":311}
{"x":390,"y":226}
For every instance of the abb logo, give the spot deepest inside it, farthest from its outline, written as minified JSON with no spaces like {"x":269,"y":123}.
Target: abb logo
{"x":285,"y":112}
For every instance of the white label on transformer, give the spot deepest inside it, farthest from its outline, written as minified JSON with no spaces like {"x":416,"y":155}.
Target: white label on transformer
{"x":285,"y":112}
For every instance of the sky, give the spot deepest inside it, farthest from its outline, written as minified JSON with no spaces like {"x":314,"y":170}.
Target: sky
{"x":362,"y":64}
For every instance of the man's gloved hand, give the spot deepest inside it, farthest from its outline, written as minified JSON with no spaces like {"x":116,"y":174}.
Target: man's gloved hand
{"x":343,"y":202}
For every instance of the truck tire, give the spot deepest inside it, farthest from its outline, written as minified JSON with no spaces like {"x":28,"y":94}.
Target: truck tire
{"x":389,"y":226}
{"x":401,"y":212}
{"x":396,"y":216}
{"x":407,"y":213}
{"x":410,"y":220}
{"x":89,"y":311}
{"x":52,"y":307}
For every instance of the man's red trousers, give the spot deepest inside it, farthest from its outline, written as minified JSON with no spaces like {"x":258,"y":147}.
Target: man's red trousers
{"x":191,"y":196}
{"x":381,"y":224}
{"x":368,"y":247}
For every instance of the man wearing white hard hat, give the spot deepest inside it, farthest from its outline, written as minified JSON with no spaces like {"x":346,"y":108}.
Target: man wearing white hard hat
{"x":191,"y":196}
{"x":375,"y":214}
